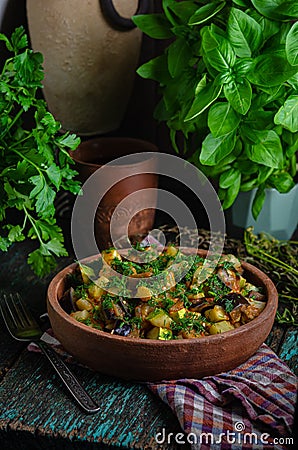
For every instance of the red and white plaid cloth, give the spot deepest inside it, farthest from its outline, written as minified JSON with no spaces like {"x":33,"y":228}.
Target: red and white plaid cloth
{"x":249,"y":408}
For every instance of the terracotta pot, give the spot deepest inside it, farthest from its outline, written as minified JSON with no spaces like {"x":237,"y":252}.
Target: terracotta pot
{"x":89,"y":65}
{"x":153,"y":360}
{"x":94,"y":154}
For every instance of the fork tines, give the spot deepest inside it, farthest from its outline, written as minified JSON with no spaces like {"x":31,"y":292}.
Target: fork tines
{"x":14,"y":312}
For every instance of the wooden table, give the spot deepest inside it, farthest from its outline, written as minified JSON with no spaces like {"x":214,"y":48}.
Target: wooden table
{"x":36,"y":412}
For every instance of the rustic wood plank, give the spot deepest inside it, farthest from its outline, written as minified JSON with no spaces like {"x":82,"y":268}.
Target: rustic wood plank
{"x":9,"y":350}
{"x":275,"y":338}
{"x":36,"y":405}
{"x":289,"y":349}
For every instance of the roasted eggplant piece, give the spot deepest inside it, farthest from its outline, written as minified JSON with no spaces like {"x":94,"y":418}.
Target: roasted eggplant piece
{"x":232,"y":300}
{"x":230,"y":278}
{"x":122,"y":329}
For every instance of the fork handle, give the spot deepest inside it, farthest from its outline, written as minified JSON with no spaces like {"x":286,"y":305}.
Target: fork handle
{"x":68,"y":378}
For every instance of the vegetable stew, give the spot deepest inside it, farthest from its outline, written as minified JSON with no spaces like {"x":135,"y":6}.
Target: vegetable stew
{"x":190,"y":303}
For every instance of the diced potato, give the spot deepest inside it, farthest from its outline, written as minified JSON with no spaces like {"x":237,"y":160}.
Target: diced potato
{"x":171,"y":251}
{"x":221,"y":327}
{"x":201,"y":273}
{"x":242,"y":282}
{"x":160,"y":318}
{"x":195,"y":296}
{"x":83,"y":303}
{"x":95,"y":291}
{"x":110,"y":255}
{"x":216,"y":314}
{"x":143,"y":292}
{"x":80,"y":315}
{"x":159,"y":333}
{"x":177,"y":315}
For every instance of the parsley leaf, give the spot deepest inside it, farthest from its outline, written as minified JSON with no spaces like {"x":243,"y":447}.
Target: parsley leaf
{"x":34,"y":160}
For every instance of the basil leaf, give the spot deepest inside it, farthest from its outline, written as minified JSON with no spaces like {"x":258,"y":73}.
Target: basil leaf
{"x":206,"y":12}
{"x":156,"y":69}
{"x":222,"y":119}
{"x":260,"y":120}
{"x":215,"y":150}
{"x":292,"y":45}
{"x":267,"y":150}
{"x":232,"y":192}
{"x":217,"y":50}
{"x":229,"y":177}
{"x":167,"y":6}
{"x":264,"y":174}
{"x":154,"y":25}
{"x":203,"y":100}
{"x":244,"y":33}
{"x":269,"y":27}
{"x":270,"y":70}
{"x":245,"y":3}
{"x":247,"y":186}
{"x":179,"y":54}
{"x":258,"y":201}
{"x":239,"y":95}
{"x":277,"y":9}
{"x":283,"y":182}
{"x":184,"y":10}
{"x":287,"y":115}
{"x":292,"y":149}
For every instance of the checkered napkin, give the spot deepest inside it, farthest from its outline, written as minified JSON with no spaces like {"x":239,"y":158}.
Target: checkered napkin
{"x":250,"y":407}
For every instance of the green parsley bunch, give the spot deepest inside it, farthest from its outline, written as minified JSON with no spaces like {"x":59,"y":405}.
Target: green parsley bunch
{"x":34,"y":159}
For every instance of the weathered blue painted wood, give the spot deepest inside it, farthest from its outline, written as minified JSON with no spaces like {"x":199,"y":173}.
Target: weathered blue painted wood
{"x":289,"y":349}
{"x":35,"y":404}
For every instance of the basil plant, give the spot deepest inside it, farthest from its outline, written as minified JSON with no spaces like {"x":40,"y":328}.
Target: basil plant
{"x":229,"y":87}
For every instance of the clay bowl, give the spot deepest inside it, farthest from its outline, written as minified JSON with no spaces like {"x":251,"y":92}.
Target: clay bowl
{"x":153,"y":360}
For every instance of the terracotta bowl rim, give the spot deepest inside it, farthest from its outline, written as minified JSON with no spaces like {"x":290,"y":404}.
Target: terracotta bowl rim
{"x":269,"y":310}
{"x":84,"y":144}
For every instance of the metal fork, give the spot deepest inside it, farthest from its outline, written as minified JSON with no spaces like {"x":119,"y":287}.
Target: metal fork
{"x":23,"y":327}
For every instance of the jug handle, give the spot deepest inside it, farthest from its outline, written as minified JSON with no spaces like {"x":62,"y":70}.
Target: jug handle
{"x":113,"y":17}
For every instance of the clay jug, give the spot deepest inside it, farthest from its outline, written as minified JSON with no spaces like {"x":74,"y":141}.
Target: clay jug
{"x":89,"y":59}
{"x":138,"y":177}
